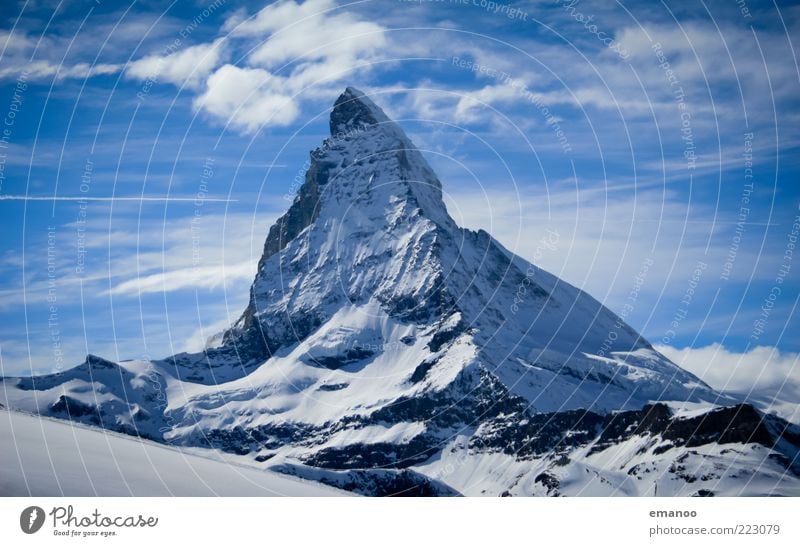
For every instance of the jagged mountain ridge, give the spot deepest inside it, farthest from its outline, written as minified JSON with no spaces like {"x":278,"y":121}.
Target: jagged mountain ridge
{"x":381,"y":219}
{"x":381,"y":337}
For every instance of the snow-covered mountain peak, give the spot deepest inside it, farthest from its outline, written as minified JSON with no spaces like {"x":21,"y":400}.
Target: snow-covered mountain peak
{"x":368,"y":250}
{"x":366,"y":226}
{"x":368,"y":161}
{"x":383,"y":343}
{"x":354,"y":110}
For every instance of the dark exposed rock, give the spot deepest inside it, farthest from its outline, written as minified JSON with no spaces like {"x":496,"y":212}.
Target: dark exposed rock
{"x":742,"y":423}
{"x":252,"y":339}
{"x":377,"y":455}
{"x":99,"y":363}
{"x":562,"y":460}
{"x":446,"y":335}
{"x":704,"y":493}
{"x":471,"y":399}
{"x":527,"y":436}
{"x":623,"y":425}
{"x":549,"y":481}
{"x":421,"y":371}
{"x":782,"y":460}
{"x":422,"y":307}
{"x":70,"y":406}
{"x":374,"y":483}
{"x":243,"y":441}
{"x":350,"y":113}
{"x":333,"y":387}
{"x":663,"y":448}
{"x":336,"y":362}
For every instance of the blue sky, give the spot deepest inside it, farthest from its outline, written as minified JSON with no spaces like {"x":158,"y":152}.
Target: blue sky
{"x":639,"y":132}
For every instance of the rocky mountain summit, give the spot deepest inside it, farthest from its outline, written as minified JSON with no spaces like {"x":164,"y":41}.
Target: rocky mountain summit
{"x":386,"y":350}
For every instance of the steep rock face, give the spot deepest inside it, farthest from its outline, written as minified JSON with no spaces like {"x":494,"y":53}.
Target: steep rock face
{"x":382,"y":342}
{"x":369,"y":232}
{"x":363,"y":226}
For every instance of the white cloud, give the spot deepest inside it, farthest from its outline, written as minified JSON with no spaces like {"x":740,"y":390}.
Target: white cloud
{"x":191,"y":277}
{"x":13,"y":42}
{"x":275,"y":16}
{"x":186,"y":67}
{"x":133,"y":258}
{"x":470,"y":101}
{"x":309,"y":31}
{"x":319,"y":47}
{"x":202,"y":265}
{"x":216,"y":251}
{"x":766,"y":375}
{"x":707,"y":58}
{"x":65,"y":56}
{"x":248,"y":98}
{"x":200,"y":337}
{"x":604,"y":235}
{"x":37,"y":70}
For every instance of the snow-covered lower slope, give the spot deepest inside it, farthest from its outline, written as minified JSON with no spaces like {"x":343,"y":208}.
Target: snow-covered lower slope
{"x":46,"y":457}
{"x":127,"y":397}
{"x":657,"y":451}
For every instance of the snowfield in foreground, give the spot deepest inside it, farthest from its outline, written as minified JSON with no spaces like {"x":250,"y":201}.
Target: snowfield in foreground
{"x":46,"y":457}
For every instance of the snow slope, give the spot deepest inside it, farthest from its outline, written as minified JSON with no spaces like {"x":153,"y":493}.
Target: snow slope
{"x":45,"y":457}
{"x":723,"y":452}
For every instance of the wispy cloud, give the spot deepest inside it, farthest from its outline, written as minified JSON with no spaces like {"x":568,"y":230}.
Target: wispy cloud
{"x":186,"y":67}
{"x":200,"y":337}
{"x":127,"y":258}
{"x":179,"y":279}
{"x":36,"y":70}
{"x":112,"y":199}
{"x":604,"y":234}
